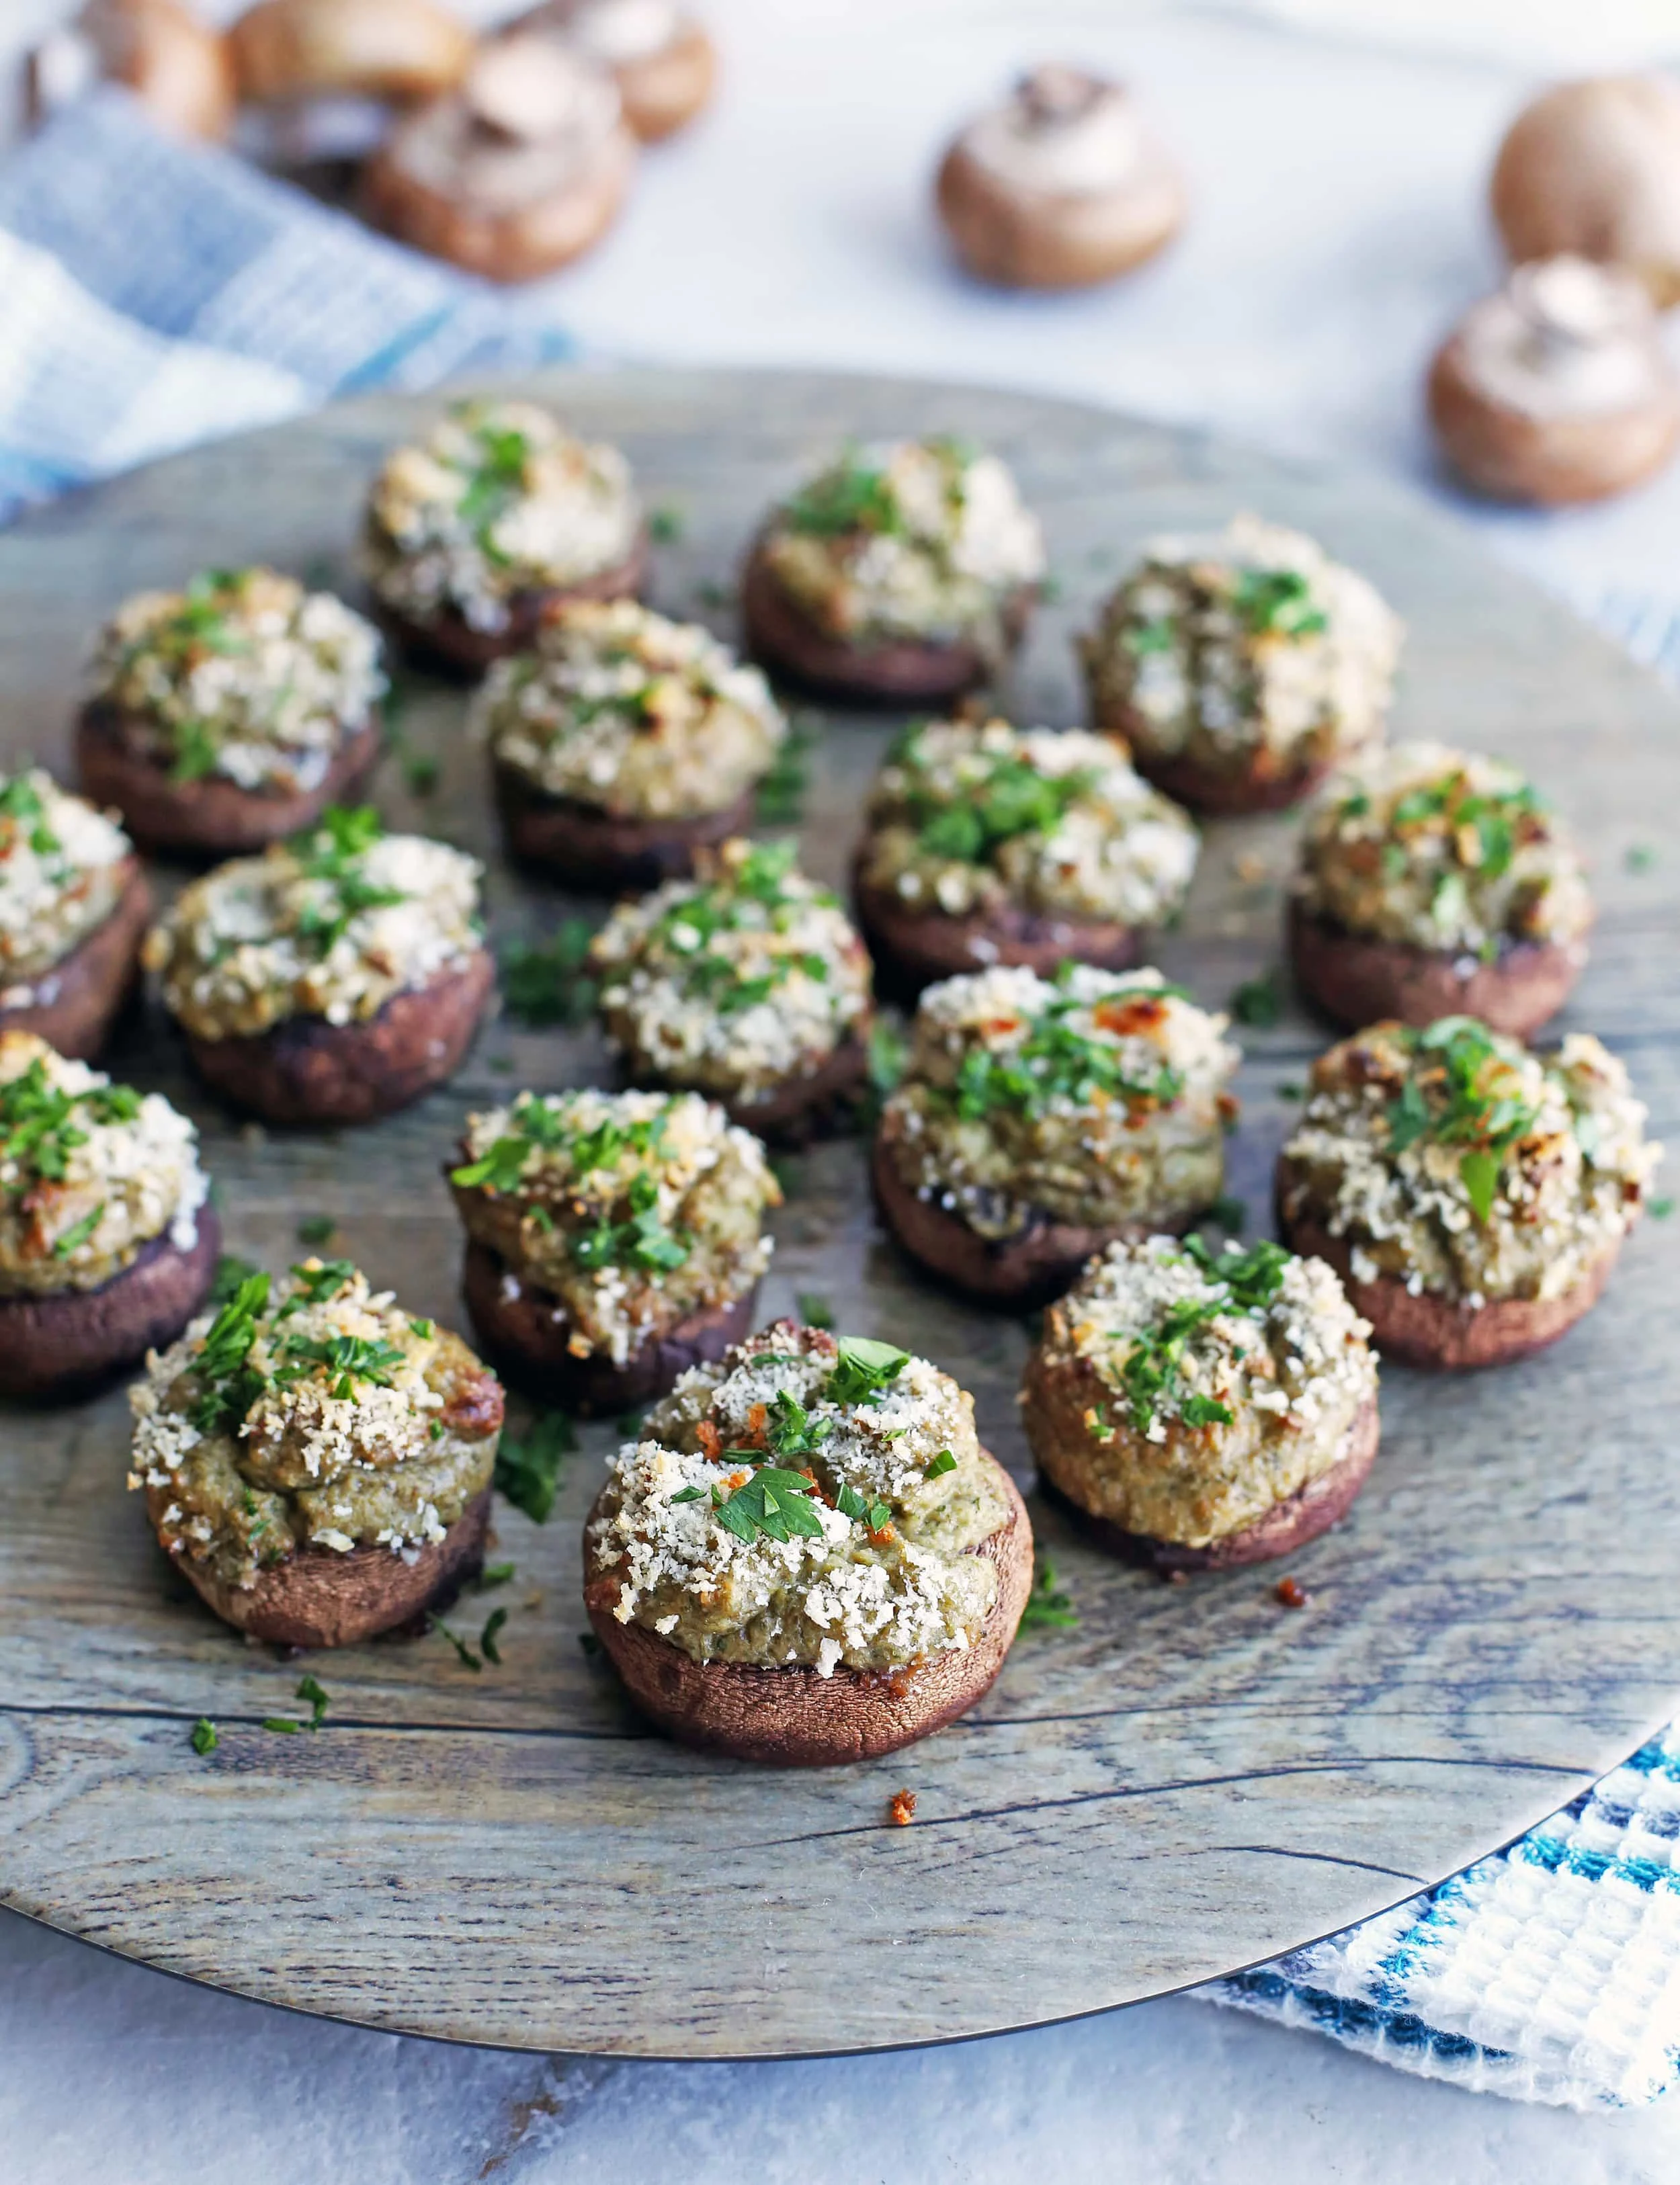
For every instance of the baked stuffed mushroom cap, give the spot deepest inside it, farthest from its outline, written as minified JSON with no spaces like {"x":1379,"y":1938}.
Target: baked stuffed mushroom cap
{"x":227,"y":716}
{"x":1203,"y":1409}
{"x":659,"y":56}
{"x":1472,"y":1194}
{"x":73,"y":909}
{"x":902,"y":571}
{"x":316,"y":1461}
{"x":613,"y":1239}
{"x":748,"y":983}
{"x":1432,"y":883}
{"x":1557,"y":388}
{"x":989,"y":844}
{"x":332,"y":980}
{"x":107,"y":1244}
{"x":1063,"y":185}
{"x":1038,"y":1120}
{"x":519,"y":169}
{"x":1240,"y":667}
{"x":807,"y":1556}
{"x":622,"y":742}
{"x":498,"y":513}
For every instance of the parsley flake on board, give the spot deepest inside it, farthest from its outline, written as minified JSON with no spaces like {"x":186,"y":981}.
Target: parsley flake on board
{"x":814,"y":1309}
{"x":283,"y":1725}
{"x":487,"y":1637}
{"x":463,"y":1652}
{"x":546,"y":982}
{"x":1048,"y":1608}
{"x":666,"y":524}
{"x":310,"y":1690}
{"x":528,"y":1467}
{"x":1660,"y":1209}
{"x":204,"y":1737}
{"x":1257,"y":1002}
{"x":780,"y":794}
{"x":316,"y":1229}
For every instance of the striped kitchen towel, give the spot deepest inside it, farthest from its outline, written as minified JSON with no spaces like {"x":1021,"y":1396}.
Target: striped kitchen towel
{"x":153,"y":293}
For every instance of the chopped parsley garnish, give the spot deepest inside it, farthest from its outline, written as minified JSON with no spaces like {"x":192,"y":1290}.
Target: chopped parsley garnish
{"x":493,"y":1575}
{"x":345,"y":1359}
{"x":41,"y":1125}
{"x":1257,"y":1002}
{"x":1278,"y":603}
{"x":643,"y":1241}
{"x":204,"y":1737}
{"x":196,"y":751}
{"x":78,"y":1233}
{"x":310,"y":1690}
{"x":863,"y":1369}
{"x":1152,"y":1374}
{"x":1660,"y":1209}
{"x":421,"y":773}
{"x":641,"y":1238}
{"x":332,"y":853}
{"x":872,"y":1515}
{"x":20,"y":800}
{"x":487,"y":1645}
{"x":774,"y":1502}
{"x":1464,"y":1103}
{"x":425,"y":1329}
{"x":1482,"y":827}
{"x":851,"y":495}
{"x":1058,"y":1062}
{"x":463,"y":1652}
{"x":496,"y":483}
{"x":283,"y":1725}
{"x":316,"y":1229}
{"x":780,"y":794}
{"x":228,"y":1385}
{"x":1140,"y":639}
{"x":1639,"y":858}
{"x":945,"y":1461}
{"x":317,"y":1284}
{"x":815,"y":1310}
{"x":1229,"y":1214}
{"x":1014,"y":799}
{"x":546,"y":982}
{"x":527,"y":1468}
{"x":230,"y":1272}
{"x":665,"y":524}
{"x":685,"y":931}
{"x":1048,"y":1608}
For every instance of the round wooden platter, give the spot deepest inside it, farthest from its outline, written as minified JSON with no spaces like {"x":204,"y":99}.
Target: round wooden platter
{"x":1190,"y":1779}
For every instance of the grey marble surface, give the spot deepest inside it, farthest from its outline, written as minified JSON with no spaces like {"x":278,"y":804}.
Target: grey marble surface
{"x":1337,"y":229}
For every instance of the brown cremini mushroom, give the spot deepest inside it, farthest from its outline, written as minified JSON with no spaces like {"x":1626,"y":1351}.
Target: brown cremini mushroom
{"x":515,"y":173}
{"x":1593,"y":167}
{"x":1557,"y":388}
{"x":397,"y":49}
{"x":664,"y":64}
{"x":1064,"y":185}
{"x":175,"y":65}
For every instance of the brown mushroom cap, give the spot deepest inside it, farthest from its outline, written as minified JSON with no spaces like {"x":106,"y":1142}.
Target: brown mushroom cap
{"x":175,"y":65}
{"x":587,"y":847}
{"x":447,"y":642}
{"x":80,"y":998}
{"x":1260,"y":780}
{"x":914,"y":946}
{"x":397,"y":49}
{"x":802,"y":1107}
{"x":1357,"y":979}
{"x":1593,"y":167}
{"x":1558,"y":387}
{"x":1063,"y":186}
{"x":517,"y":171}
{"x":793,"y":1718}
{"x":664,"y":64}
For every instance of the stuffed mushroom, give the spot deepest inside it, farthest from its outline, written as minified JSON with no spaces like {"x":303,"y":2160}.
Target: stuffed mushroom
{"x":807,"y":1556}
{"x":748,"y":984}
{"x":1473,"y":1195}
{"x":659,"y":55}
{"x":622,"y":742}
{"x":226,"y":716}
{"x":1435,"y":883}
{"x":1240,"y":668}
{"x":331,"y":980}
{"x":989,"y":844}
{"x":1039,"y":1120}
{"x":903,"y":573}
{"x":613,"y":1240}
{"x":498,"y":513}
{"x":317,"y":1461}
{"x":1202,"y":1410}
{"x":108,"y":1245}
{"x":74,"y":905}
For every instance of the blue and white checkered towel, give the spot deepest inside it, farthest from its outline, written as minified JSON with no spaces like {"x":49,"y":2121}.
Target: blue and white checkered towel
{"x":152,"y":295}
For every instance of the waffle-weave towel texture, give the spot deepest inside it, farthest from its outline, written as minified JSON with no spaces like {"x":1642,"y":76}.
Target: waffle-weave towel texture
{"x":152,"y":295}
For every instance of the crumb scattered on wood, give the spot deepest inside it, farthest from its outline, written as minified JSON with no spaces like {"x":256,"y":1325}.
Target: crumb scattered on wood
{"x":1290,"y":1592}
{"x":901,"y":1808}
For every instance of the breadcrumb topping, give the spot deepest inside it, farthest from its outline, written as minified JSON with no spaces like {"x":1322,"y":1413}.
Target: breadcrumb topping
{"x":893,"y":1441}
{"x":620,"y":708}
{"x":64,"y":865}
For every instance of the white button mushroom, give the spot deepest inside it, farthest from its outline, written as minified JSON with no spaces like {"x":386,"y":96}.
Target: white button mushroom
{"x":662,"y":59}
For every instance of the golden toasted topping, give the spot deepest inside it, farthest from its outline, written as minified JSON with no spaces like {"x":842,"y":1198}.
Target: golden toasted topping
{"x":63,"y":868}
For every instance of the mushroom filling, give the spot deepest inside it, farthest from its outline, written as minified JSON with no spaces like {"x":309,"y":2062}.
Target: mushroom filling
{"x":314,"y":1414}
{"x":1183,"y":1393}
{"x":62,"y":868}
{"x":1249,"y":646}
{"x":1440,"y":850}
{"x":630,"y":1212}
{"x":968,"y":819}
{"x":498,"y":501}
{"x":1455,"y":1161}
{"x":90,"y":1172}
{"x":804,"y":1501}
{"x":331,"y":925}
{"x":734,"y":982}
{"x":1097,"y":1098}
{"x":620,"y":709}
{"x":245,"y":675}
{"x":918,"y":539}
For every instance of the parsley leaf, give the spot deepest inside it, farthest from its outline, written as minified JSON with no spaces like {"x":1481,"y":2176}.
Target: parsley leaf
{"x":310,"y":1690}
{"x":204,"y":1737}
{"x":863,"y":1369}
{"x":546,"y":982}
{"x":487,"y":1645}
{"x":1257,"y":1002}
{"x":1048,"y":1608}
{"x":528,"y":1469}
{"x":316,"y":1229}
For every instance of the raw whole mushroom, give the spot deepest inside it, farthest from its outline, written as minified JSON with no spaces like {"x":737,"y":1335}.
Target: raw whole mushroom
{"x":662,"y":59}
{"x":177,"y":66}
{"x":285,"y":50}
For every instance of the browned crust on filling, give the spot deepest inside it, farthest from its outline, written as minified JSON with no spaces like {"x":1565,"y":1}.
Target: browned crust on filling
{"x":80,"y":997}
{"x":318,"y":1597}
{"x":1286,"y":1526}
{"x":1429,"y":1329}
{"x":791,"y":1717}
{"x":1028,"y":239}
{"x":1039,"y":1264}
{"x":1259,"y":783}
{"x":303,"y":1070}
{"x":592,"y":847}
{"x":1552,"y":460}
{"x":446,"y":640}
{"x":211,"y":818}
{"x":895,"y":672}
{"x":664,"y":92}
{"x":525,"y":1339}
{"x":63,"y":1344}
{"x":913,"y":947}
{"x":1357,"y":979}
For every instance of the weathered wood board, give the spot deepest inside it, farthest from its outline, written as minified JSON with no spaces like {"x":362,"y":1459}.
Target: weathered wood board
{"x":1190,"y":1780}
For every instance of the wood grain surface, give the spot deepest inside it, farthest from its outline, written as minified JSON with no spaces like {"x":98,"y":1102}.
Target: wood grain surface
{"x":1192,"y":1778}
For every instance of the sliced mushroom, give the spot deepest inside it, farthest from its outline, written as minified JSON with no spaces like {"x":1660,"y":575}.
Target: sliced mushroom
{"x":1557,"y":387}
{"x":1064,"y":185}
{"x":397,"y":49}
{"x":1594,"y":168}
{"x":662,"y":59}
{"x":515,"y":173}
{"x":175,"y":65}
